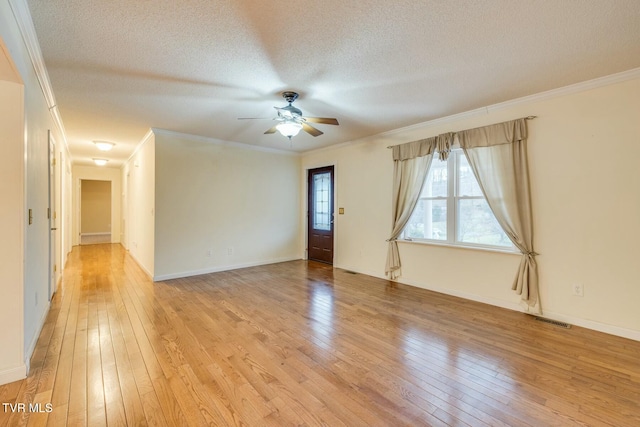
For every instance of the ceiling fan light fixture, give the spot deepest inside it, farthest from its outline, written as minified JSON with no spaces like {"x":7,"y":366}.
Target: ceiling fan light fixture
{"x":291,"y":121}
{"x":289,"y":129}
{"x":104,"y":145}
{"x":100,"y":162}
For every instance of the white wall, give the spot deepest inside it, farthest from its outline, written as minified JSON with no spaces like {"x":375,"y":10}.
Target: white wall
{"x":12,"y":365}
{"x":97,"y":173}
{"x":34,"y":151}
{"x":138,"y":178}
{"x":221,"y":206}
{"x":583,"y":155}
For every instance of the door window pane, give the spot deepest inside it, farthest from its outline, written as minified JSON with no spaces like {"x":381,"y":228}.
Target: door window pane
{"x":322,"y":201}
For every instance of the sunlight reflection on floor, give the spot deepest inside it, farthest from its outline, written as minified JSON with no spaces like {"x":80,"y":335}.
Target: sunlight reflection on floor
{"x":321,"y":313}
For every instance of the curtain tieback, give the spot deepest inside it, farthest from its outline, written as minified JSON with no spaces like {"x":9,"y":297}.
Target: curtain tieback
{"x":530,"y":254}
{"x":391,"y":240}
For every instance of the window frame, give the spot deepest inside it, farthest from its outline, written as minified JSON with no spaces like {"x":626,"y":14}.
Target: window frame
{"x":452,"y":200}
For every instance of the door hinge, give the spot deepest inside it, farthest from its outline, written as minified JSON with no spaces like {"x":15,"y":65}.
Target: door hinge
{"x":55,"y":268}
{"x":48,"y":213}
{"x":54,"y":161}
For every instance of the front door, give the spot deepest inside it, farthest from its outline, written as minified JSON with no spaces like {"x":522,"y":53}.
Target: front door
{"x":320,"y":218}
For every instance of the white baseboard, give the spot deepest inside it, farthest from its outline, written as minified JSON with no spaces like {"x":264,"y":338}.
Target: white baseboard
{"x":142,"y":267}
{"x":217,"y":269}
{"x":34,"y":339}
{"x":584,"y":323}
{"x":13,"y":374}
{"x":596,"y":326}
{"x":104,"y":233}
{"x":472,"y":297}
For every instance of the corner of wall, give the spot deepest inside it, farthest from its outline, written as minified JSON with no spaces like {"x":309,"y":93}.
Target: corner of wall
{"x":13,"y":374}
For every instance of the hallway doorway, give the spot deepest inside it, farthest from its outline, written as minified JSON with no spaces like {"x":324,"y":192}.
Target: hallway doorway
{"x":95,"y":211}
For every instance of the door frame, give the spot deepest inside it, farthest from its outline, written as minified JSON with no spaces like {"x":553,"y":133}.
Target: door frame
{"x":305,"y":207}
{"x":52,"y":215}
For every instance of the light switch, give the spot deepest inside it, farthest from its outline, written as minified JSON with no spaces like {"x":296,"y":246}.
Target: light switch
{"x":340,"y":211}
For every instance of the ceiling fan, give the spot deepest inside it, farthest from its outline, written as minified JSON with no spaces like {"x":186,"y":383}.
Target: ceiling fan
{"x":291,"y":120}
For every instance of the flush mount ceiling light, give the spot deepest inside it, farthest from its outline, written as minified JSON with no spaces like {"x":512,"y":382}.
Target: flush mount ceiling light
{"x":100,"y":162}
{"x":289,"y":128}
{"x":104,"y":145}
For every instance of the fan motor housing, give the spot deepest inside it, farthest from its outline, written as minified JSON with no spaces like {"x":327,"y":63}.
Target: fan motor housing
{"x":290,"y":96}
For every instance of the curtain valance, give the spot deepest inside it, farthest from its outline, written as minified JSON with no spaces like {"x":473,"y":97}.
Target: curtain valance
{"x":486,"y":136}
{"x":424,"y":147}
{"x":498,"y":134}
{"x":411,"y":150}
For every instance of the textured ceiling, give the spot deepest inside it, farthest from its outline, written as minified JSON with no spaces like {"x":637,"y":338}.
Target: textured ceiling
{"x":120,"y":67}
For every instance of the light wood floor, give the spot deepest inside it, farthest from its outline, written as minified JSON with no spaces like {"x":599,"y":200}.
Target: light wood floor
{"x":299,"y":343}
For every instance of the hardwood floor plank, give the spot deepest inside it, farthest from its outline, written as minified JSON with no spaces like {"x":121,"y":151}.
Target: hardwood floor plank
{"x":129,"y":395}
{"x":302,"y":343}
{"x":169,"y":403}
{"x":62,"y":386}
{"x":77,"y":407}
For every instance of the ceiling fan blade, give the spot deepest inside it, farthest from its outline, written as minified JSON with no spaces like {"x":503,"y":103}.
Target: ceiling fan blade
{"x":322,"y":120}
{"x":310,"y":129}
{"x":271,"y":130}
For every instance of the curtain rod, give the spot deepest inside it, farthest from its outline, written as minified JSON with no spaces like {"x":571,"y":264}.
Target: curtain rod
{"x":526,"y":118}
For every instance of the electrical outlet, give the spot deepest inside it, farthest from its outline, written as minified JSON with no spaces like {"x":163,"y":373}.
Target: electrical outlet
{"x":210,"y":253}
{"x":229,"y":251}
{"x":578,"y":289}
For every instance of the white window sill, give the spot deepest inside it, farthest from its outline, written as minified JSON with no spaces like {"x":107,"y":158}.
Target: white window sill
{"x":458,"y":246}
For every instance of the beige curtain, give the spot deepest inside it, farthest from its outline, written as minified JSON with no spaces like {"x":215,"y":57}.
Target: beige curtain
{"x":498,"y":156}
{"x":411,"y":162}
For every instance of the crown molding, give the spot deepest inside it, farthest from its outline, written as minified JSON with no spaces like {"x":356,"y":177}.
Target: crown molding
{"x":222,"y":142}
{"x":529,"y":99}
{"x":568,"y":90}
{"x":23,"y":19}
{"x":146,"y":138}
{"x":483,"y":111}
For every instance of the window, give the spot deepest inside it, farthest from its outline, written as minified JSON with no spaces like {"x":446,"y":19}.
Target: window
{"x":452,"y":209}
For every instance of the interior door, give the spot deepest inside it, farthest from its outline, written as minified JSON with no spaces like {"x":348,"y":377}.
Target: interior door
{"x":320,"y":214}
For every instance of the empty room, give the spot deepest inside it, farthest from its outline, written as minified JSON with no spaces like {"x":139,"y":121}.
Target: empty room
{"x":320,"y":213}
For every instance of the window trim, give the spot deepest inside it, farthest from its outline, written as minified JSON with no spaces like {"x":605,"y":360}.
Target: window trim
{"x":453,"y":206}
{"x":470,"y":246}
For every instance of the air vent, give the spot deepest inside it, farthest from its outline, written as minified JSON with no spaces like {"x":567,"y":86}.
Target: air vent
{"x":554,"y":322}
{"x":350,"y":272}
